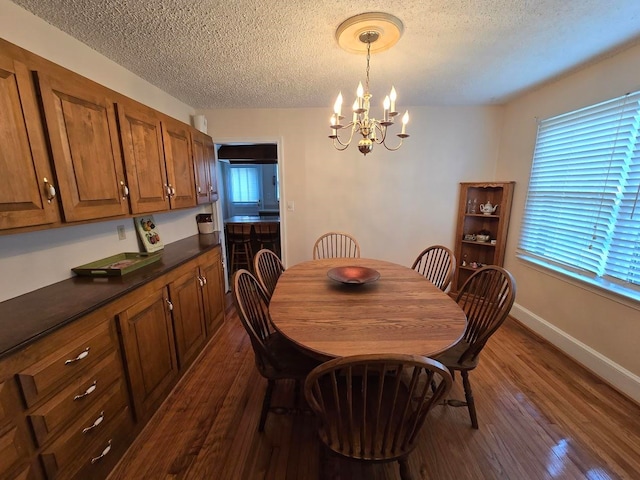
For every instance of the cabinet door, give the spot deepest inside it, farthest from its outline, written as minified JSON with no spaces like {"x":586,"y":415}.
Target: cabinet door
{"x":84,"y":141}
{"x":26,"y":196}
{"x":210,"y":155}
{"x":149,"y":348}
{"x":141,"y":136}
{"x":201,"y":167}
{"x":212,"y":272}
{"x":188,"y":315}
{"x":179,"y":162}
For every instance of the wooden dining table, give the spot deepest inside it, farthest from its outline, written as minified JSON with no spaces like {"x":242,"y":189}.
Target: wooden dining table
{"x":400,"y":312}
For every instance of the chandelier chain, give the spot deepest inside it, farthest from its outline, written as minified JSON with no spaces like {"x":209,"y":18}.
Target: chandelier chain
{"x":368,"y":58}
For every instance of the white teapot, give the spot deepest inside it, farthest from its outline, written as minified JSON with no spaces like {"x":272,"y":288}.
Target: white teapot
{"x":487,"y":208}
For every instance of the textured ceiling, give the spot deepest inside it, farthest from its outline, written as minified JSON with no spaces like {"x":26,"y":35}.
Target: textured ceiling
{"x":283,"y":53}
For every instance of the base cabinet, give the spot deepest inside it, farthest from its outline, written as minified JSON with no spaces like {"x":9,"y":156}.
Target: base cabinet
{"x":72,"y":402}
{"x":149,"y":349}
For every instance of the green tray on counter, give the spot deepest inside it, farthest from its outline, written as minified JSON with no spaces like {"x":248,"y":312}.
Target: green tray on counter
{"x":117,"y":265}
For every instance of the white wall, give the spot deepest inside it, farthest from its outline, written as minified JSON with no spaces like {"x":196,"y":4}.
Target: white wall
{"x":395,"y":203}
{"x":32,"y":260}
{"x":602,"y":332}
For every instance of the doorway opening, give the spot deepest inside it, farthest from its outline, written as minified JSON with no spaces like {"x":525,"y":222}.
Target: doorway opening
{"x":249,"y":201}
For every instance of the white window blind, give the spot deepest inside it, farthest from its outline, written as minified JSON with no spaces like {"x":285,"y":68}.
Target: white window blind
{"x":582,"y":211}
{"x":245,"y":187}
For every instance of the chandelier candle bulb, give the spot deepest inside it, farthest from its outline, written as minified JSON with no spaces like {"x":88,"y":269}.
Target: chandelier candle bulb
{"x":386,"y":105}
{"x":392,"y":96}
{"x":405,"y":120}
{"x":337,"y":107}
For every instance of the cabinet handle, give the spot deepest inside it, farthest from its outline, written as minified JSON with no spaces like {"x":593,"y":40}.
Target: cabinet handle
{"x":201,"y":281}
{"x":204,"y":280}
{"x":125,"y":190}
{"x":170,"y":304}
{"x":49,"y":190}
{"x":167,"y":191}
{"x":82,"y":355}
{"x":170,"y":190}
{"x":210,"y":188}
{"x":103,"y":454}
{"x":173,"y":191}
{"x":199,"y":189}
{"x":89,"y":391}
{"x":97,"y":422}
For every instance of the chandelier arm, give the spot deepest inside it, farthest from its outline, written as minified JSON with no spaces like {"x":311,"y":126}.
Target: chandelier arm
{"x":338,"y":142}
{"x":383,"y":131}
{"x":337,"y":137}
{"x":393,"y":149}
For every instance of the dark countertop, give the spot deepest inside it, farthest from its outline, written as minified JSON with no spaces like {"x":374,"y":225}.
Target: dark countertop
{"x":29,"y":317}
{"x":253,"y":219}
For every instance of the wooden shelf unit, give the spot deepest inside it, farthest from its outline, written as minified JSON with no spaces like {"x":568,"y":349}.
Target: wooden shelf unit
{"x":469,"y":223}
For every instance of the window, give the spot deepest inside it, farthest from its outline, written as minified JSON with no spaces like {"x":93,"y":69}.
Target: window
{"x":582,"y":213}
{"x":245,"y":186}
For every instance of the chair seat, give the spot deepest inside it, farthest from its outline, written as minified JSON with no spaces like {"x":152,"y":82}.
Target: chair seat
{"x":292,"y":362}
{"x":451,"y":357}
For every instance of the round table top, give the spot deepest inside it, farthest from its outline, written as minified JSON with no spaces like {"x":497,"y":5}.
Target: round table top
{"x":401,"y":312}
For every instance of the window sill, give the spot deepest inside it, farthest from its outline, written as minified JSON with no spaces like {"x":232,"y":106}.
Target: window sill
{"x":603,"y":288}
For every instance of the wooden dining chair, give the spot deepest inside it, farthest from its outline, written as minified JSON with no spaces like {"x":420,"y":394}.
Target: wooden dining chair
{"x":336,"y":245}
{"x":276,"y":358}
{"x":486,"y":298}
{"x":371,"y":407}
{"x":437,"y":263}
{"x":268,"y":267}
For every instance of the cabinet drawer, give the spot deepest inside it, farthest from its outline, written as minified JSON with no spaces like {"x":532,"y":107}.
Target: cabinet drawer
{"x":12,"y":448}
{"x":65,"y":406}
{"x":92,"y":427}
{"x":64,"y":364}
{"x":96,"y":458}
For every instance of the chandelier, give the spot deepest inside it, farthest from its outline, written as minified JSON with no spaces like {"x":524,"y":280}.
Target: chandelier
{"x":368,"y":28}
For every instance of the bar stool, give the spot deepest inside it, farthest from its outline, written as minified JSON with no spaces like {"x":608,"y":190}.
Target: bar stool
{"x":239,"y":241}
{"x":268,"y":236}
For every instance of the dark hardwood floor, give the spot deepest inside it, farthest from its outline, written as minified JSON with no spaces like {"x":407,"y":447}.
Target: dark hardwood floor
{"x":541,"y":415}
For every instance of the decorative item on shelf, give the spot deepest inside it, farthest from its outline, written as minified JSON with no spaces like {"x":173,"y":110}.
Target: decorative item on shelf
{"x":494,"y":241}
{"x":487,"y":208}
{"x":464,"y":260}
{"x":474,"y":207}
{"x":366,"y":29}
{"x":483,"y":236}
{"x":205,"y":223}
{"x":470,"y":237}
{"x":148,"y":233}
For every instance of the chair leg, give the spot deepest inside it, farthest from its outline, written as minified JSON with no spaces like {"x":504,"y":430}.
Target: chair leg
{"x":468,"y":394}
{"x":405,"y":474}
{"x":266,"y":404}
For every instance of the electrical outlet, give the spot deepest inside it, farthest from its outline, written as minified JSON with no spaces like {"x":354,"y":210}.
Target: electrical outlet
{"x":121,"y":233}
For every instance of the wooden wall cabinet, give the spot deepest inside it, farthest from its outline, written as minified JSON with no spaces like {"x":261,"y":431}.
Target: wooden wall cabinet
{"x":141,"y":136}
{"x":27,"y":195}
{"x":469,"y":251}
{"x":204,"y":167}
{"x":83,"y":135}
{"x":84,"y":152}
{"x":179,"y":163}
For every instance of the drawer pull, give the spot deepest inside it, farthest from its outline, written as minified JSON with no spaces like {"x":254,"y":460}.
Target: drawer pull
{"x":204,"y":279}
{"x":82,"y":355}
{"x":97,"y":422}
{"x":89,"y":391}
{"x":103,"y":454}
{"x":169,"y":304}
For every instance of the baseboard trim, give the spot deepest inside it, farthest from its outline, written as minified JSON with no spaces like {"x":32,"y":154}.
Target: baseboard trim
{"x":615,"y":375}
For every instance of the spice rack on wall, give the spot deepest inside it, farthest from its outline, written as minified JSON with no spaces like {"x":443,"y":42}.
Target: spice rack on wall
{"x":481,"y":234}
